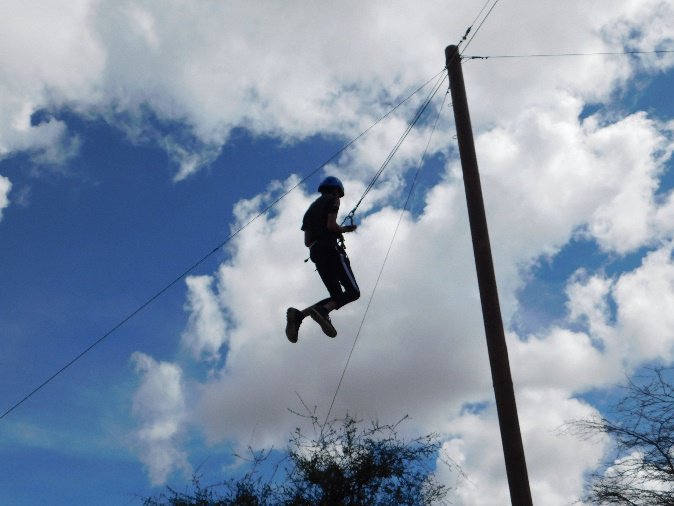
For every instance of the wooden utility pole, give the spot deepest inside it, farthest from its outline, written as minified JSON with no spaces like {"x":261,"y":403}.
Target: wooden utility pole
{"x":506,"y":407}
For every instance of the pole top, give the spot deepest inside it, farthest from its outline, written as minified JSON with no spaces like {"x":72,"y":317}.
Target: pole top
{"x":451,"y":51}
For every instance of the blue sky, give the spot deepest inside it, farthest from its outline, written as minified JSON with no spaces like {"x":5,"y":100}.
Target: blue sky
{"x":138,"y":135}
{"x":118,"y":208}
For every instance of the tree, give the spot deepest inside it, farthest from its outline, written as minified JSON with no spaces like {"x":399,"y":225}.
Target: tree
{"x":641,"y":471}
{"x":345,"y":464}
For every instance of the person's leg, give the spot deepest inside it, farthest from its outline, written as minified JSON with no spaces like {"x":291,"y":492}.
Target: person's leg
{"x":320,"y":315}
{"x":347,"y":280}
{"x":335,"y":271}
{"x":325,"y":260}
{"x":328,"y":304}
{"x":340,"y":282}
{"x":329,"y":271}
{"x":318,"y":311}
{"x":327,"y":267}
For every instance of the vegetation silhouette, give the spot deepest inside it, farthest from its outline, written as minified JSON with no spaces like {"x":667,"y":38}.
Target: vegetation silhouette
{"x":347,"y":463}
{"x":640,"y":470}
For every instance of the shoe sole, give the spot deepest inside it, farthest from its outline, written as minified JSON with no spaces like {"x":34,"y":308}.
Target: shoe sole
{"x":326,"y":325}
{"x":291,"y":326}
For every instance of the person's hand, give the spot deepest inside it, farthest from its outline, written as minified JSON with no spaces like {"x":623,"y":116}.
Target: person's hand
{"x":349,"y":228}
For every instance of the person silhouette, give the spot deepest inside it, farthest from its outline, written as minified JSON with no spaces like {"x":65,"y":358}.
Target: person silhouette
{"x":323,"y":236}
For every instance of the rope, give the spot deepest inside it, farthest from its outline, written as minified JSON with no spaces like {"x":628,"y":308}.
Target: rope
{"x":205,"y":257}
{"x":402,"y":138}
{"x":395,"y":232}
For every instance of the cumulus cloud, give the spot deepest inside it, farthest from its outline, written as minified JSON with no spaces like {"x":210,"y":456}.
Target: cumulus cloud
{"x":159,"y":406}
{"x":283,"y":70}
{"x":476,"y":448}
{"x":553,"y":174}
{"x":631,"y":472}
{"x":644,"y":27}
{"x":245,"y":65}
{"x":628,"y":314}
{"x":206,"y":328}
{"x":53,"y":61}
{"x":402,"y":383}
{"x":536,"y":361}
{"x":5,"y":188}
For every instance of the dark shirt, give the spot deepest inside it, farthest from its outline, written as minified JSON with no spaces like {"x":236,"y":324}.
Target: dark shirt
{"x":315,"y":221}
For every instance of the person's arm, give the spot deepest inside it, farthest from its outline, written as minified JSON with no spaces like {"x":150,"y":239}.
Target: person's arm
{"x":334,"y":227}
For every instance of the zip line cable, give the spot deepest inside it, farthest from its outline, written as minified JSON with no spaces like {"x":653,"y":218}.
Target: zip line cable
{"x":558,"y":55}
{"x":475,"y":20}
{"x":411,"y":125}
{"x":465,"y":35}
{"x":390,"y":156}
{"x":205,"y":257}
{"x":402,"y":213}
{"x":481,"y":23}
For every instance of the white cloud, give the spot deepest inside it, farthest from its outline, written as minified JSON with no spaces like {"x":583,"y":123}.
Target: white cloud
{"x":54,"y":61}
{"x":624,"y":221}
{"x":644,"y":28}
{"x":267,"y":259}
{"x":588,"y":301}
{"x":631,"y":472}
{"x":5,"y":188}
{"x":547,"y":175}
{"x":556,"y":460}
{"x":284,"y":70}
{"x":644,"y":298}
{"x":159,"y":406}
{"x":639,"y":328}
{"x":536,"y":362}
{"x":206,"y":328}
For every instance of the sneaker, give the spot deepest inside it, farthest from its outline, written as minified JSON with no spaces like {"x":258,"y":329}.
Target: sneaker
{"x":320,"y":316}
{"x":294,"y":317}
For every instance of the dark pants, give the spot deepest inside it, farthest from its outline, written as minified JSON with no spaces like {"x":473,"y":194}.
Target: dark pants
{"x":334,"y":268}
